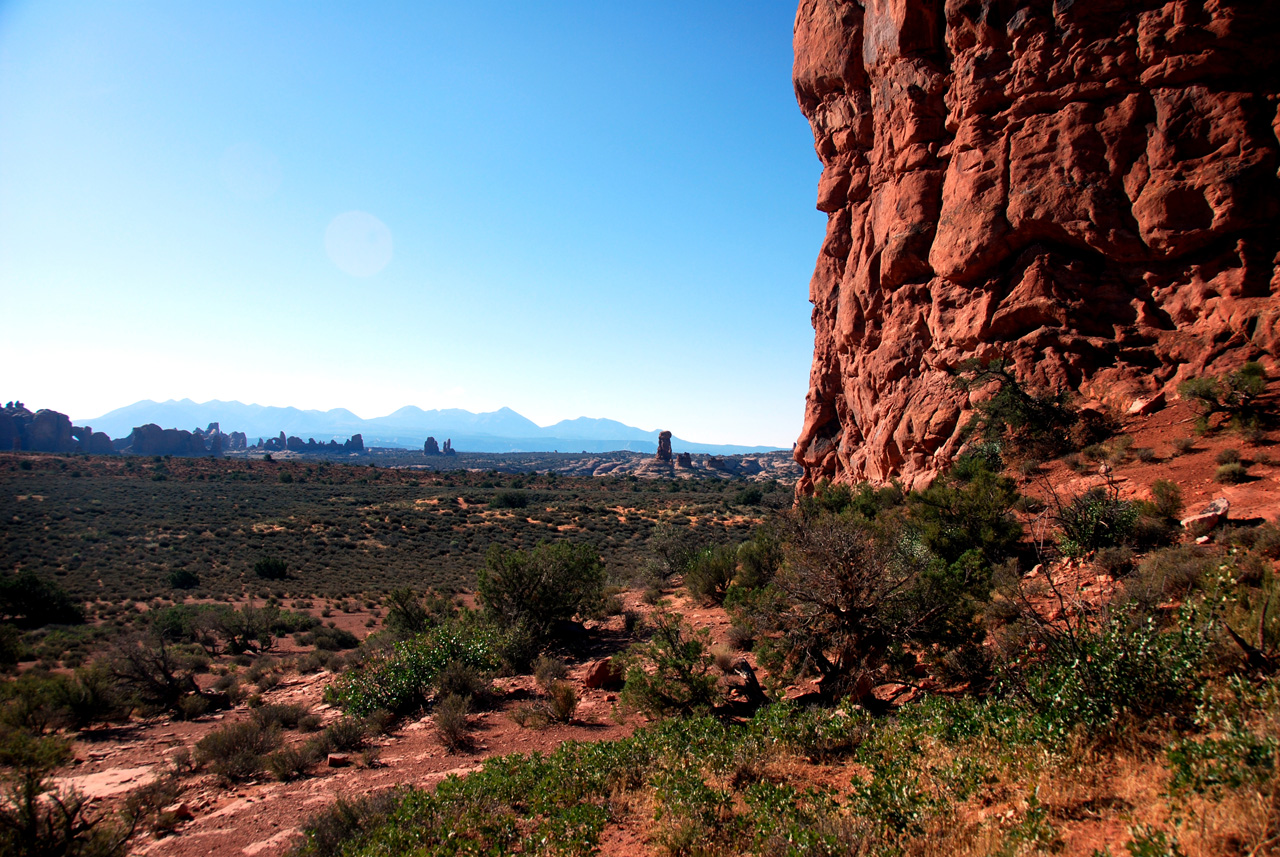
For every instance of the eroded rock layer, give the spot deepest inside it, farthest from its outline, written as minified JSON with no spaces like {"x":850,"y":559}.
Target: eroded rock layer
{"x":1086,"y":188}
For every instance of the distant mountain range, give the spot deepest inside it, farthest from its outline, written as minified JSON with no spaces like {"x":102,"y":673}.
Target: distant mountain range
{"x":496,"y":431}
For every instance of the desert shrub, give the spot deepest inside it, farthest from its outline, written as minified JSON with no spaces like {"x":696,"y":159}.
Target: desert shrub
{"x":1166,"y":496}
{"x":857,"y":593}
{"x":671,"y":673}
{"x":235,"y":752}
{"x":459,"y":678}
{"x":559,"y":706}
{"x":282,"y":715}
{"x":450,"y":718}
{"x":11,"y":647}
{"x":674,"y":546}
{"x":759,"y":558}
{"x":548,"y":670}
{"x":328,"y":639}
{"x":958,"y":515}
{"x":158,"y":673}
{"x":38,"y":819}
{"x":29,"y":601}
{"x":562,"y":701}
{"x":406,"y":614}
{"x":708,"y":574}
{"x":533,"y":591}
{"x":403,"y":678}
{"x":1095,"y":674}
{"x":1158,"y":518}
{"x":184,"y":578}
{"x":866,"y":503}
{"x":271,"y":568}
{"x":1095,"y":519}
{"x":346,"y":734}
{"x":1230,"y":455}
{"x":1114,"y":561}
{"x":1169,"y":574}
{"x":749,"y":496}
{"x":1236,"y":395}
{"x":1232,"y":474}
{"x":1036,"y":424}
{"x":289,"y":763}
{"x":346,"y":820}
{"x":509,"y":500}
{"x":1183,"y":445}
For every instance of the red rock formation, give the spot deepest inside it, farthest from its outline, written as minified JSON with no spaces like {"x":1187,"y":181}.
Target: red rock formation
{"x":664,"y":447}
{"x":1087,"y":188}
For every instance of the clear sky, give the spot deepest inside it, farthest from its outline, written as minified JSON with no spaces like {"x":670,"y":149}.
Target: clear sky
{"x":567,"y":208}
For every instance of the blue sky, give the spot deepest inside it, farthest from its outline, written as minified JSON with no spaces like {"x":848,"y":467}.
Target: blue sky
{"x":570,"y":209}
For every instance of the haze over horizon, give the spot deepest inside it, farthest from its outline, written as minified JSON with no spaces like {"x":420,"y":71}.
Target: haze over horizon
{"x":566,"y":209}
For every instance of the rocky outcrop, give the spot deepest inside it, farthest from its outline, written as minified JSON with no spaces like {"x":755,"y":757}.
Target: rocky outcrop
{"x":431,"y":447}
{"x":153,"y":440}
{"x":92,"y":442}
{"x":448,"y":447}
{"x":664,"y":447}
{"x":42,"y":431}
{"x":1085,"y":189}
{"x":684,"y":460}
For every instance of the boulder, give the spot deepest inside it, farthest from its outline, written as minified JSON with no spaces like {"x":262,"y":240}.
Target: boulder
{"x":1209,"y":518}
{"x":601,"y":674}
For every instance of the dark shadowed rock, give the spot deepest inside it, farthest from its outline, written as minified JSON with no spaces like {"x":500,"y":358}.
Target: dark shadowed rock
{"x":153,"y":440}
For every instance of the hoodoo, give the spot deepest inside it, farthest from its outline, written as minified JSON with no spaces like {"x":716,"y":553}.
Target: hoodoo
{"x":1087,"y":190}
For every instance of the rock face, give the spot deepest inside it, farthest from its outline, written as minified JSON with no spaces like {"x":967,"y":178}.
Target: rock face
{"x":1085,"y":189}
{"x":431,"y":447}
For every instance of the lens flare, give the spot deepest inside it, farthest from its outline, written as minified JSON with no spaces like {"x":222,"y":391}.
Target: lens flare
{"x":358,"y":243}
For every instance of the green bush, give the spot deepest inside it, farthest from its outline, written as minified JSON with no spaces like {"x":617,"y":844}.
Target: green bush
{"x":1033,"y":424}
{"x":859,"y":594}
{"x":1236,"y":395}
{"x":236,"y":752}
{"x":956,"y":516}
{"x":1095,"y":519}
{"x":184,"y":579}
{"x":671,"y":673}
{"x":1232,"y":474}
{"x":509,"y":500}
{"x":271,"y":568}
{"x":29,"y":601}
{"x":403,"y":679}
{"x":709,"y":573}
{"x":533,"y":591}
{"x":1096,"y":674}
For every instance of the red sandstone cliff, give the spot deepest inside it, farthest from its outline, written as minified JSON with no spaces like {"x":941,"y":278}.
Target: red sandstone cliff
{"x":1087,"y":188}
